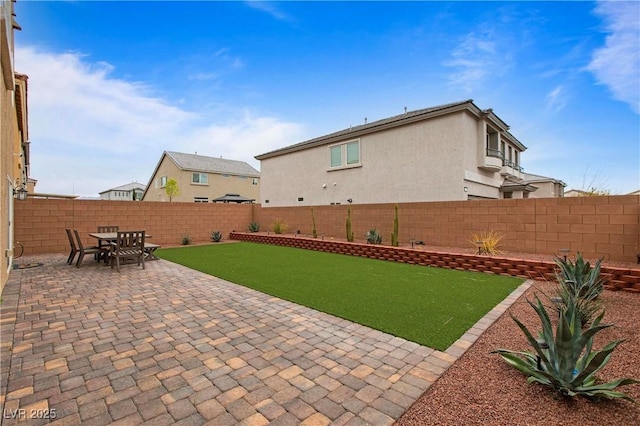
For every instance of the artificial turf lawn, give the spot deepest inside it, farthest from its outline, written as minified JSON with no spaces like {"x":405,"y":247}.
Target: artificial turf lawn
{"x":430,"y":306}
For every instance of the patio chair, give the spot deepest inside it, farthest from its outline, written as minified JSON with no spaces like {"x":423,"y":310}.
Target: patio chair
{"x":74,"y":249}
{"x":128,"y":246}
{"x":98,"y":251}
{"x":104,"y":243}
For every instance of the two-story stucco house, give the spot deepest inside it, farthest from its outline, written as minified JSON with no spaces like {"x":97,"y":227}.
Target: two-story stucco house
{"x":130,"y":192}
{"x":202,"y":179}
{"x":449,"y":152}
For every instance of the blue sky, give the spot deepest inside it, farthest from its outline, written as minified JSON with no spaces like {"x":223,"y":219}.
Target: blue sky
{"x":114,"y":84}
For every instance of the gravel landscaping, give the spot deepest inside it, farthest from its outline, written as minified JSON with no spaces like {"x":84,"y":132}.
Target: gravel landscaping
{"x":481,"y":389}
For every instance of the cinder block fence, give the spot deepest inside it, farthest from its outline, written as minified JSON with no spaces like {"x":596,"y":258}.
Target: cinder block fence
{"x":604,"y":226}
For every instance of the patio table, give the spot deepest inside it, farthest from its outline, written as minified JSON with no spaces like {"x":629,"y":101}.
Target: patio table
{"x":110,"y":237}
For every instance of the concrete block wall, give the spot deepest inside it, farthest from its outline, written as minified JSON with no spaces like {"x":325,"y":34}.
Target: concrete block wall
{"x":40,"y":223}
{"x":607,"y":226}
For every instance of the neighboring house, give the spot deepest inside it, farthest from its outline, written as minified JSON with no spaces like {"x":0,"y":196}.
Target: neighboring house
{"x":450,"y":152}
{"x":591,"y":193}
{"x":14,"y":137}
{"x":547,"y":187}
{"x":130,"y":192}
{"x":202,"y":179}
{"x":634,"y":192}
{"x":576,"y":193}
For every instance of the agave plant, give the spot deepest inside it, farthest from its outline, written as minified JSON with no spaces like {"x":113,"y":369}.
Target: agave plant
{"x":216,"y":236}
{"x":374,"y":237}
{"x":253,"y":227}
{"x":565,"y":361}
{"x":580,"y":278}
{"x":582,"y":284}
{"x":587,"y":308}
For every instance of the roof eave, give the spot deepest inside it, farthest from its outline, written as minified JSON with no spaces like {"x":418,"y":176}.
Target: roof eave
{"x":371,"y":128}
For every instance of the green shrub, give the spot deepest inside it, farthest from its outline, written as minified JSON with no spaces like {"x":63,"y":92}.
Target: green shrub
{"x":374,"y":237}
{"x":216,"y":236}
{"x":565,"y":360}
{"x":253,"y":227}
{"x":186,"y":240}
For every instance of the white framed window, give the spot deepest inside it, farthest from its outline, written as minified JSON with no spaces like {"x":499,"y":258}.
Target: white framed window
{"x":200,"y":178}
{"x":345,"y":154}
{"x":163,"y":181}
{"x":200,"y":200}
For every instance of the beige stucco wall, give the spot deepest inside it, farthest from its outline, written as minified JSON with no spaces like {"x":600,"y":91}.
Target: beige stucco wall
{"x":9,"y":139}
{"x":218,"y":185}
{"x":547,"y":189}
{"x":432,"y":160}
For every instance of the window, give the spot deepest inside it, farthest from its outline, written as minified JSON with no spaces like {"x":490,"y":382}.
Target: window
{"x":345,"y":154}
{"x":163,"y":181}
{"x":255,"y":181}
{"x":200,"y":178}
{"x":200,"y":200}
{"x":493,"y":140}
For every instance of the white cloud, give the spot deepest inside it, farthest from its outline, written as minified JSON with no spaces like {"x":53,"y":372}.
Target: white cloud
{"x":557,"y":99}
{"x":91,"y":132}
{"x":474,"y":59}
{"x":617,"y":64}
{"x":269,"y":8}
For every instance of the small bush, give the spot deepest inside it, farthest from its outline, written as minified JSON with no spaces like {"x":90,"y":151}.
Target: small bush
{"x":216,"y":236}
{"x":253,"y":227}
{"x":186,"y":240}
{"x":487,"y":242}
{"x":373,"y":237}
{"x":279,"y":226}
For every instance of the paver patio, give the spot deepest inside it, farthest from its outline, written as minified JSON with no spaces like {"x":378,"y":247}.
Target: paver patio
{"x":170,"y":345}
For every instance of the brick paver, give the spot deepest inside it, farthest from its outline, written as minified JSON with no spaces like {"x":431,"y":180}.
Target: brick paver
{"x":170,"y":345}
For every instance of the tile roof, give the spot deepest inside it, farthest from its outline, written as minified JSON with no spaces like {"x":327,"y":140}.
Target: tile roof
{"x":202,"y":163}
{"x":128,"y":187}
